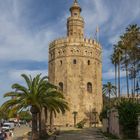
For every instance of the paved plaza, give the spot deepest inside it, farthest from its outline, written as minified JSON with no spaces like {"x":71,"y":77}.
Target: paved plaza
{"x":85,"y":134}
{"x":65,"y":134}
{"x":19,"y":132}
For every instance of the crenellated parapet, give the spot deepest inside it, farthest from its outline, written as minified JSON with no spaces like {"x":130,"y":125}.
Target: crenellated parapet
{"x":66,"y":47}
{"x":74,"y":41}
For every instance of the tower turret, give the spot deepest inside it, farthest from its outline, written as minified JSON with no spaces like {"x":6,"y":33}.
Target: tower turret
{"x":75,"y":23}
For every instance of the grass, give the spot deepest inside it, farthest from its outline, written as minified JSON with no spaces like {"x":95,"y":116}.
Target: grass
{"x":109,"y":136}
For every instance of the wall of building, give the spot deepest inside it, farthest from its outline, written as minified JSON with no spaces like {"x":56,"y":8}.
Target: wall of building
{"x":74,"y":76}
{"x":88,"y":68}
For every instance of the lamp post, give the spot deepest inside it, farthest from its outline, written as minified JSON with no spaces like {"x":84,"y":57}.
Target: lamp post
{"x":75,"y":117}
{"x":94,"y":112}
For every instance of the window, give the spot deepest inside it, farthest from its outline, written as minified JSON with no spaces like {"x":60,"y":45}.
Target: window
{"x":75,"y":14}
{"x":74,"y":61}
{"x":60,"y":62}
{"x":61,"y":86}
{"x":89,"y":87}
{"x":51,"y":55}
{"x":88,"y":62}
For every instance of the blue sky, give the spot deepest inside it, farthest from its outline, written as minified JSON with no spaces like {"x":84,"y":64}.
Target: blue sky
{"x":28,"y":26}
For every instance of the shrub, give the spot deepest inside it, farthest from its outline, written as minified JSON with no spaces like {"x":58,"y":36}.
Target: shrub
{"x":81,"y":124}
{"x":128,"y":114}
{"x":103,"y":113}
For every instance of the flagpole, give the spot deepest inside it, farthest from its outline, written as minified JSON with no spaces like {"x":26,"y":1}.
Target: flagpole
{"x":97,"y":34}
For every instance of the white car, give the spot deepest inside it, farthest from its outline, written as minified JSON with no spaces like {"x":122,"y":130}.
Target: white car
{"x":8,"y":126}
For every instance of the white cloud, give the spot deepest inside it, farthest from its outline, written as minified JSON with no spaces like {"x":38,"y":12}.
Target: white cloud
{"x":114,"y":39}
{"x":18,"y":43}
{"x":95,"y":14}
{"x":110,"y":74}
{"x":16,"y":74}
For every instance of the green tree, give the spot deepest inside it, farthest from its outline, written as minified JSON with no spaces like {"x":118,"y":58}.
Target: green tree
{"x":114,"y":61}
{"x":126,"y":55}
{"x":25,"y":115}
{"x":59,"y":105}
{"x":108,"y":90}
{"x":130,"y":42}
{"x":35,"y":96}
{"x":118,"y":53}
{"x":31,"y":96}
{"x":128,"y":114}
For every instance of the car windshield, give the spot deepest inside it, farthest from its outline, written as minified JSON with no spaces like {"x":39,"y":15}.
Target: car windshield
{"x":6,"y":125}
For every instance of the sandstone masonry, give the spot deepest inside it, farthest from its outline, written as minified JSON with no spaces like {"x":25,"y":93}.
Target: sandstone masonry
{"x":75,"y":65}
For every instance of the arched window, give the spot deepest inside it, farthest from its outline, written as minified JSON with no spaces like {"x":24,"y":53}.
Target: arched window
{"x":60,"y":62}
{"x":59,"y":53}
{"x":74,"y":61}
{"x":89,"y":87}
{"x":61,"y":86}
{"x":88,"y":62}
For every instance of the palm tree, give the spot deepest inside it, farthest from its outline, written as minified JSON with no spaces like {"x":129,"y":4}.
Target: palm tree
{"x":109,"y":89}
{"x":31,"y":96}
{"x":35,"y":96}
{"x":118,"y":56}
{"x":126,"y":55}
{"x":133,"y":32}
{"x":59,"y":106}
{"x":55,"y":104}
{"x":130,"y":40}
{"x":114,"y":61}
{"x":125,"y":46}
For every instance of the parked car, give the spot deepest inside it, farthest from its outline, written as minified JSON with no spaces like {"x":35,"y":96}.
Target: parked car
{"x":8,"y":126}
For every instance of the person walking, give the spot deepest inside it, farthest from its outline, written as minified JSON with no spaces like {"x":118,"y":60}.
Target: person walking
{"x":11,"y":135}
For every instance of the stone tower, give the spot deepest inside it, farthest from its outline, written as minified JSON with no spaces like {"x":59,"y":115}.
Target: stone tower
{"x":75,"y":65}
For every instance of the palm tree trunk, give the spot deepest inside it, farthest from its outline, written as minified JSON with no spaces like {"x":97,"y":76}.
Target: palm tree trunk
{"x":116,"y":79}
{"x":126,"y":69}
{"x":46,"y":115}
{"x":134,"y":81}
{"x":40,"y":126}
{"x":109,"y":113}
{"x":119,"y":79}
{"x":34,"y":112}
{"x":51,"y":119}
{"x":134,"y":71}
{"x":109,"y":101}
{"x":127,"y":80}
{"x":132,"y":94}
{"x":43,"y":131}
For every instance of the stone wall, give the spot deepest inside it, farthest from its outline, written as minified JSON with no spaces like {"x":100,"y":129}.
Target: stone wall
{"x":114,"y":126}
{"x":88,"y":68}
{"x":139,"y":126}
{"x":113,"y":123}
{"x":75,"y":62}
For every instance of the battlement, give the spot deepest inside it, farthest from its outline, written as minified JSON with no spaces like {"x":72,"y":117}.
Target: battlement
{"x":76,"y":41}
